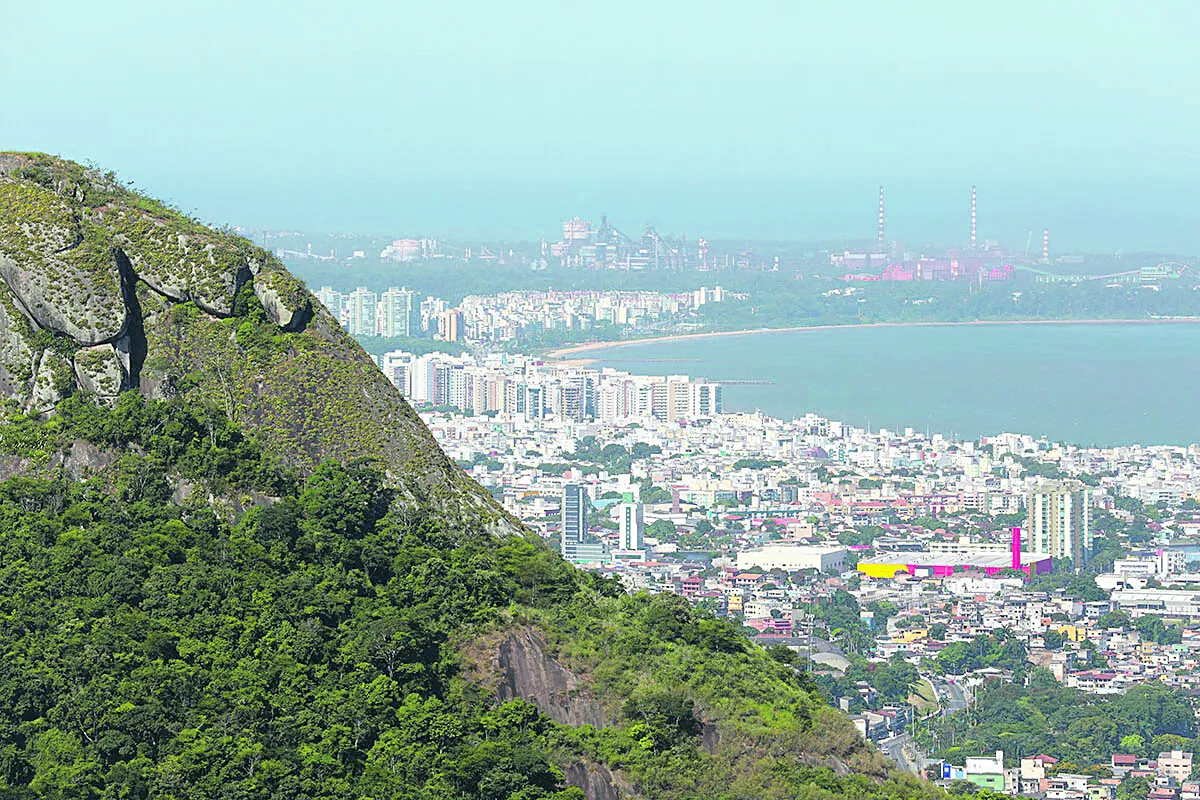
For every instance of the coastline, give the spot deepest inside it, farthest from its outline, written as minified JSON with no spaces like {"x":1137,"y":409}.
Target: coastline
{"x":568,"y":355}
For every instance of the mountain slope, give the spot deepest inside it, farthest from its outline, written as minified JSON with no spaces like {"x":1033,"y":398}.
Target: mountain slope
{"x":103,"y":290}
{"x":205,"y":592}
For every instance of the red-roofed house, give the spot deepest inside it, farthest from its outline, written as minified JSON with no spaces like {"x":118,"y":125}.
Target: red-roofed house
{"x":1122,"y":763}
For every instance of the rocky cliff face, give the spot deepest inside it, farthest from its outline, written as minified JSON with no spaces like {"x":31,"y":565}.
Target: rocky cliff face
{"x":528,"y":673}
{"x":103,"y":290}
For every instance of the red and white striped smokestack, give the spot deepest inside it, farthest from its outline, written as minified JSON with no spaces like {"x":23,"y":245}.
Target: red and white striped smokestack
{"x":881,"y":218}
{"x":972,"y":216}
{"x":1045,"y":244}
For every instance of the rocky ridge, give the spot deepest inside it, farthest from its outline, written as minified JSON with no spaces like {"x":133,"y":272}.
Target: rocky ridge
{"x":103,"y":290}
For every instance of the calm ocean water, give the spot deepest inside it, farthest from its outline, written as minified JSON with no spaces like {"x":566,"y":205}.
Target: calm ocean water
{"x":1082,"y":383}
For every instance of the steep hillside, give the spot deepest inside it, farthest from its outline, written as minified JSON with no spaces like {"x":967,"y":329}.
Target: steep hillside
{"x":103,"y":290}
{"x":205,"y":591}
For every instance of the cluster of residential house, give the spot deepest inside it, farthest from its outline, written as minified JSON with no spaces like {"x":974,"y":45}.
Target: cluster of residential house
{"x":1168,"y":776}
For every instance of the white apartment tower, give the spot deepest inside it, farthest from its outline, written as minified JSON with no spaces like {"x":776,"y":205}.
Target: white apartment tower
{"x":395,"y":312}
{"x":331,"y":299}
{"x":705,"y":399}
{"x":362,"y":306}
{"x":1060,"y":520}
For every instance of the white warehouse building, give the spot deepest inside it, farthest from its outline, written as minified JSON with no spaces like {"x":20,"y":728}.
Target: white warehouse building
{"x":793,"y":557}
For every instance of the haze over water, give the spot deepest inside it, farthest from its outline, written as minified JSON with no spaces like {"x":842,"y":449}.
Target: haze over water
{"x":1100,"y":384}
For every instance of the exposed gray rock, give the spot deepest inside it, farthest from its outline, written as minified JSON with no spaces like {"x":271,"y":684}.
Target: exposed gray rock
{"x":84,"y":458}
{"x":16,"y":354}
{"x":530,"y":674}
{"x":598,"y":782}
{"x":99,"y":371}
{"x":51,"y":381}
{"x":284,"y":299}
{"x":62,"y":271}
{"x":123,"y":347}
{"x":181,"y":266}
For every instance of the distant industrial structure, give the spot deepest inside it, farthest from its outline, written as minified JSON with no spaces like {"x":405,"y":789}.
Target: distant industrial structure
{"x":979,"y":263}
{"x":583,"y":245}
{"x":607,"y":247}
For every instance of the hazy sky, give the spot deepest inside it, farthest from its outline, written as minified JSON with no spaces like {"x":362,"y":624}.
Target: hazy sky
{"x":767,"y":119}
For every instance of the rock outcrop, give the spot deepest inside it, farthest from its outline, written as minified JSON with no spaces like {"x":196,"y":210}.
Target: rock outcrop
{"x":531,"y":674}
{"x":183,"y":261}
{"x":598,"y":782}
{"x":62,"y":271}
{"x":284,"y":299}
{"x":99,"y":371}
{"x":16,"y":351}
{"x":52,"y":377}
{"x":104,"y":290}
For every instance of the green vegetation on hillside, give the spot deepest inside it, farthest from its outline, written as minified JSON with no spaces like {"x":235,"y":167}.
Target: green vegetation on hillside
{"x":266,"y":635}
{"x":378,"y":345}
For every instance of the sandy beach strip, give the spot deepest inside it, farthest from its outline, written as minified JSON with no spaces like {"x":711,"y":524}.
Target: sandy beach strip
{"x":569,"y":356}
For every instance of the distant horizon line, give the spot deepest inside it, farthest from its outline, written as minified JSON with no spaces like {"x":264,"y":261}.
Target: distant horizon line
{"x":825,"y":244}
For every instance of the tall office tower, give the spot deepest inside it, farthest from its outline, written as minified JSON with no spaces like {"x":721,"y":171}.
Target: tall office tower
{"x":574,"y":519}
{"x":362,"y":304}
{"x":1060,"y":520}
{"x":631,"y":526}
{"x":395,"y":312}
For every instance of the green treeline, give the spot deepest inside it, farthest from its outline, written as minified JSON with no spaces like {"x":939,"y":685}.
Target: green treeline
{"x":1068,"y":724}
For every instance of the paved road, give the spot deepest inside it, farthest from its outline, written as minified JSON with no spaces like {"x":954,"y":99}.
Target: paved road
{"x":904,"y":752}
{"x":951,"y":696}
{"x":956,"y":698}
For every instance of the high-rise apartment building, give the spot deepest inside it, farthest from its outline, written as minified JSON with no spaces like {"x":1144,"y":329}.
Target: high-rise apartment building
{"x":678,"y":397}
{"x":450,"y":325}
{"x":362,"y":307}
{"x":1059,"y":520}
{"x":331,"y":299}
{"x":398,"y":366}
{"x":705,"y":399}
{"x":396,"y":312}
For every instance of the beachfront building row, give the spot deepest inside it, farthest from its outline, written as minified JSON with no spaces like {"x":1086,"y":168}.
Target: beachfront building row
{"x":504,"y":317}
{"x":532,"y":389}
